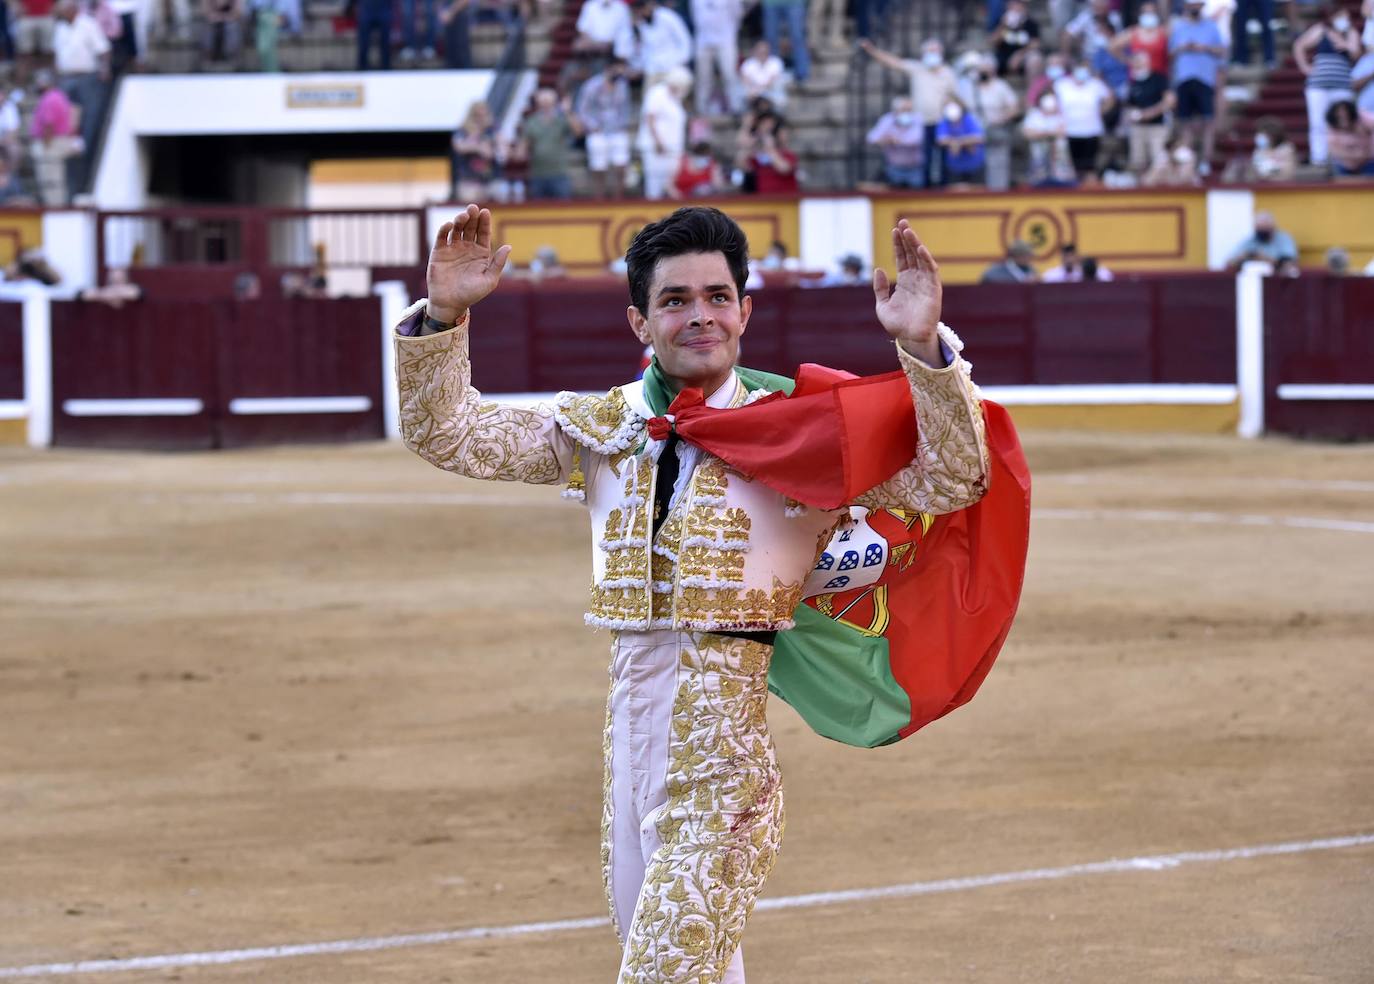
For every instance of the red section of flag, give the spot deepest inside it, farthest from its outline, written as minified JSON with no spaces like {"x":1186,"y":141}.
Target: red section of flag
{"x":834,"y":438}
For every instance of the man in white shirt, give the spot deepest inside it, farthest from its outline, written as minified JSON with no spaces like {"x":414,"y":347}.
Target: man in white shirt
{"x":599,"y":24}
{"x":717,"y":27}
{"x":763,"y":74}
{"x":656,"y":41}
{"x":81,"y":56}
{"x":663,"y":130}
{"x":1070,"y":269}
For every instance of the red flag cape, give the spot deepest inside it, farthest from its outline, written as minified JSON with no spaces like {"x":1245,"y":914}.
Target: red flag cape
{"x":871,"y":665}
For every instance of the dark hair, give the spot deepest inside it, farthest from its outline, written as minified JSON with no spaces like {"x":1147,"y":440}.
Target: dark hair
{"x":1068,"y":248}
{"x":1089,"y":268}
{"x":1345,"y":107}
{"x":694,"y":229}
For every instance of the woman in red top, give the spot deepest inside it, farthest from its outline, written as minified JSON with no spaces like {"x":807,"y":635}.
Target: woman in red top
{"x":1148,"y":35}
{"x":698,"y":173}
{"x":767,"y":157}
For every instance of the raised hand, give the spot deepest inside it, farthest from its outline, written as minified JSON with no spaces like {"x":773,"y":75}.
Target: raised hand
{"x":910,"y":309}
{"x":462,"y":268}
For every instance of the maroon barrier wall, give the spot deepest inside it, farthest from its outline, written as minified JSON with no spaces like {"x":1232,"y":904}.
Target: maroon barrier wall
{"x":214,"y":353}
{"x":539,"y":338}
{"x":1319,"y":330}
{"x":11,"y":351}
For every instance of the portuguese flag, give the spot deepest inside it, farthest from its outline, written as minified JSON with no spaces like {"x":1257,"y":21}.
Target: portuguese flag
{"x":905,"y":612}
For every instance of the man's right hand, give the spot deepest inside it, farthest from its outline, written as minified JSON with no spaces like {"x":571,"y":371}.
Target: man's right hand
{"x":462,"y":268}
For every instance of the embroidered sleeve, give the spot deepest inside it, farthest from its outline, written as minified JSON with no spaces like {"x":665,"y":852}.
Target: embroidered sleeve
{"x":445,"y":420}
{"x":950,"y":467}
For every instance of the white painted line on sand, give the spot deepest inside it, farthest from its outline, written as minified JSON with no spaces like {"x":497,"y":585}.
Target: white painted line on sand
{"x":1155,"y":862}
{"x":341,"y":499}
{"x":1207,"y":518}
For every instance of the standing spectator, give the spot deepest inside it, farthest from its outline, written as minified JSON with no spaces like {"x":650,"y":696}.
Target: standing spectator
{"x":1084,"y":100}
{"x":12,"y":193}
{"x":657,"y":41}
{"x":901,"y":136}
{"x":1176,"y":167}
{"x":374,"y":20}
{"x":933,"y":85}
{"x":12,"y":122}
{"x":1149,"y":101}
{"x":1056,"y":66}
{"x":763,"y":74}
{"x":126,"y":40}
{"x":1094,"y":28}
{"x":961,"y":138}
{"x":699,"y":173}
{"x":408,"y":38}
{"x":604,"y":110}
{"x":717,"y":48}
{"x":81,"y":55}
{"x":1017,"y":33}
{"x":1017,"y":268}
{"x":268,"y":20}
{"x":599,"y":23}
{"x":474,"y":155}
{"x":1148,"y":36}
{"x":767,"y":158}
{"x":1047,"y":134}
{"x":1197,"y":51}
{"x":1071,"y":270}
{"x":547,"y":134}
{"x":995,"y":105}
{"x":456,"y":19}
{"x":663,"y":130}
{"x":794,"y":12}
{"x":1268,"y":244}
{"x":55,"y":139}
{"x":1246,"y":12}
{"x":1362,"y":80}
{"x":1349,"y":141}
{"x":35,"y":30}
{"x":1325,"y":53}
{"x":222,"y":38}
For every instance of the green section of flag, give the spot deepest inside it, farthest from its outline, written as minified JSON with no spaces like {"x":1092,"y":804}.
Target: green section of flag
{"x":839,"y":680}
{"x":659,"y":393}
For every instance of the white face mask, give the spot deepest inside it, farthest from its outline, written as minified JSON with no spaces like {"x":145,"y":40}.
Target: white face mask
{"x":1054,"y":72}
{"x":905,"y":119}
{"x":1183,"y":155}
{"x":1149,"y":21}
{"x":1049,"y":106}
{"x":954,"y":113}
{"x":1368,"y":37}
{"x":1013,"y":19}
{"x":1082,"y":74}
{"x":1262,"y":141}
{"x":1341,"y":23}
{"x":1140,"y":74}
{"x":932,"y":59}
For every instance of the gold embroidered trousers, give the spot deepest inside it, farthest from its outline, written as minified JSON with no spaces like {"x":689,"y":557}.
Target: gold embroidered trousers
{"x":693,"y":811}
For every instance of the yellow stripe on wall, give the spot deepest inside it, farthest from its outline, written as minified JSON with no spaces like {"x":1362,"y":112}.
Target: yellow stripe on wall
{"x":1174,"y":418}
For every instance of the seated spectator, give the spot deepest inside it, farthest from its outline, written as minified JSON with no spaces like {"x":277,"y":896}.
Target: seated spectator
{"x":1071,"y":269}
{"x":475,"y":160}
{"x":1274,"y":158}
{"x":1338,"y":261}
{"x":599,"y":23}
{"x":1175,"y":167}
{"x":996,"y":106}
{"x":1017,"y":268}
{"x":1349,"y":141}
{"x":850,"y":274}
{"x":1017,"y":33}
{"x":663,"y":131}
{"x":1326,"y":54}
{"x":1149,"y":101}
{"x":546,"y":265}
{"x":604,"y":111}
{"x":546,"y":136}
{"x":763,"y":74}
{"x":1084,"y":100}
{"x":901,"y":137}
{"x":247,"y":287}
{"x":1045,"y":130}
{"x":1198,"y":54}
{"x":961,"y":138}
{"x":933,"y":85}
{"x":1094,"y":28}
{"x":766,"y":159}
{"x":1056,"y":67}
{"x":117,"y":292}
{"x":777,"y":259}
{"x":1362,"y":77}
{"x":656,"y":41}
{"x":1268,"y":244}
{"x":1147,"y":35}
{"x":55,"y":139}
{"x":699,"y":174}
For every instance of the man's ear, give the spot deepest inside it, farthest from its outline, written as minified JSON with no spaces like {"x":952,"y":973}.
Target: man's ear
{"x":746,"y":308}
{"x":638,"y":324}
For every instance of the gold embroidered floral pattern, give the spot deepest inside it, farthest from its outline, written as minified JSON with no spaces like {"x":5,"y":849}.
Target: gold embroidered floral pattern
{"x":722,"y":825}
{"x":602,"y":423}
{"x":444,"y":420}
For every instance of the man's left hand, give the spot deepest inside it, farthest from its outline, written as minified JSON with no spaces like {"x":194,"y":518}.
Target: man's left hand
{"x":910,"y":309}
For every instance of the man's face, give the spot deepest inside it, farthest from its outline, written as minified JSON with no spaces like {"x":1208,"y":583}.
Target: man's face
{"x":695,"y":318}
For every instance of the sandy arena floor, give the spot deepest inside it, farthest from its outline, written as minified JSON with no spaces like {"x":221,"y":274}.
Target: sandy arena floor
{"x":304,"y":695}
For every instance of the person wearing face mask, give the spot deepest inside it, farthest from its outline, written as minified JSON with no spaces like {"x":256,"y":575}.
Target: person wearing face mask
{"x":1094,"y":27}
{"x":699,"y":173}
{"x":961,"y":138}
{"x":1017,"y":268}
{"x":1175,"y":167}
{"x":1044,"y":130}
{"x":1147,"y":35}
{"x":933,"y":85}
{"x":995,"y":105}
{"x":1149,"y":101}
{"x":604,"y":111}
{"x":901,"y":137}
{"x":1084,"y":100}
{"x":1268,"y":244}
{"x":1274,"y":158}
{"x":1056,"y":67}
{"x":1017,"y":33}
{"x":1325,"y":53}
{"x":1197,"y":50}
